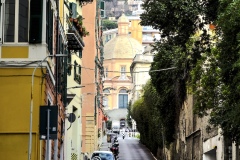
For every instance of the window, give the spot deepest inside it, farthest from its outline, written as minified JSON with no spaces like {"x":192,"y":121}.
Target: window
{"x":16,"y":25}
{"x":49,"y":26}
{"x":106,"y":91}
{"x":77,"y":72}
{"x":73,"y":7}
{"x":69,"y":61}
{"x":123,"y":70}
{"x":105,"y":102}
{"x":123,"y":99}
{"x":123,"y":73}
{"x":15,"y":21}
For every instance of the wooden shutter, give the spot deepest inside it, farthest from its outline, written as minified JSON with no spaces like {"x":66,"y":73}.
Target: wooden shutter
{"x":73,"y":7}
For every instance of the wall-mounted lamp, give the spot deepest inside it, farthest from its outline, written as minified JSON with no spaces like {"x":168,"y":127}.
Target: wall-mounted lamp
{"x":75,"y":87}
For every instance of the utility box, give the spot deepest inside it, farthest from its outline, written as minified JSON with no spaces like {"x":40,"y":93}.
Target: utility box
{"x":110,"y":136}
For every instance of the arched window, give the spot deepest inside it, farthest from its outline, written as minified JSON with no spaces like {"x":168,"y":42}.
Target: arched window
{"x":123,"y":98}
{"x":105,"y":98}
{"x":106,"y":91}
{"x":105,"y":102}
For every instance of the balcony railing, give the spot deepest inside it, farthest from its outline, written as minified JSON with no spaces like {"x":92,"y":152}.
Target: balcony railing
{"x":75,"y":41}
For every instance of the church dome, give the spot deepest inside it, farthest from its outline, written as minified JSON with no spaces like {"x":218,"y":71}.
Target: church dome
{"x":123,"y":19}
{"x":122,"y":47}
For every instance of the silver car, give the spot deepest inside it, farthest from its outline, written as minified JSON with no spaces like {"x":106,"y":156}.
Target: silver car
{"x":102,"y":155}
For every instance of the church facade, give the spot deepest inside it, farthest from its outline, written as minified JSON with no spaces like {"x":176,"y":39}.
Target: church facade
{"x":118,"y":56}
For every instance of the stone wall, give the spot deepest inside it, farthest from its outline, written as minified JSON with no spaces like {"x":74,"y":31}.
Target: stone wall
{"x":190,"y":134}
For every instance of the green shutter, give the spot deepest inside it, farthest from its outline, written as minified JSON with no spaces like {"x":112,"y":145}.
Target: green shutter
{"x":73,"y":7}
{"x":102,"y":8}
{"x":80,"y":73}
{"x":80,"y":53}
{"x":35,"y":30}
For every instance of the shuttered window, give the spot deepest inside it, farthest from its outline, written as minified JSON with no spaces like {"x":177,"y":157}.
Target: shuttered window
{"x":73,"y":7}
{"x":122,"y":99}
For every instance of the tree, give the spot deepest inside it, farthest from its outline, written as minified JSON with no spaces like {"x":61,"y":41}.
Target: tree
{"x":145,"y":112}
{"x":206,"y":61}
{"x":129,"y":119}
{"x":178,"y":21}
{"x":107,"y":24}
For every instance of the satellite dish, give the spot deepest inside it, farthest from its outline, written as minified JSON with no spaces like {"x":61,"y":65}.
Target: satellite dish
{"x":71,"y":117}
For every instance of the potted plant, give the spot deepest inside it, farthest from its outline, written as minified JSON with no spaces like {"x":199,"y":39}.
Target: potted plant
{"x":84,"y":32}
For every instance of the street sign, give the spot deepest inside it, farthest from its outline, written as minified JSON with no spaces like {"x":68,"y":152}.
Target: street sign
{"x":48,"y":126}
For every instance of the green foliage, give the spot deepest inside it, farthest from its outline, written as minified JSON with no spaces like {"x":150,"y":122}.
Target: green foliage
{"x":219,"y":80}
{"x":207,"y":63}
{"x":137,"y":136}
{"x":107,"y":24}
{"x":146,"y":114}
{"x":109,"y":125}
{"x":129,"y":120}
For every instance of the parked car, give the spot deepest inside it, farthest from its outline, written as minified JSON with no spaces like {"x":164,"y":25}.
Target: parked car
{"x":102,"y":155}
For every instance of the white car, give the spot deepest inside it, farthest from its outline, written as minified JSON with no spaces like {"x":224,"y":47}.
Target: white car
{"x":102,"y":155}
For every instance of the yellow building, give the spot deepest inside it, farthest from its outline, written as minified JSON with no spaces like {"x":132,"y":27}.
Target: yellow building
{"x":33,"y":74}
{"x":118,"y":55}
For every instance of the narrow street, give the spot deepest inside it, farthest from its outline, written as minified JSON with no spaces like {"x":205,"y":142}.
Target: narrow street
{"x":130,"y":149}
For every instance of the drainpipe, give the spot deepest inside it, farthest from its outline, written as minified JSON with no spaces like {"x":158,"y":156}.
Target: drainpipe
{"x":57,"y":82}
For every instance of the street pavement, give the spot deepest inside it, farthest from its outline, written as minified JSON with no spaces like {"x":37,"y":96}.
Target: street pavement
{"x":105,"y":145}
{"x":130,"y":148}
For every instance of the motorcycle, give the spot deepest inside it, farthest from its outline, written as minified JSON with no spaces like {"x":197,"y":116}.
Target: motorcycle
{"x":115,"y":150}
{"x":123,"y":136}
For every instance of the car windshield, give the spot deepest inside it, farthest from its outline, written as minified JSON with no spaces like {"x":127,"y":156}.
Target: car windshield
{"x":103,"y":156}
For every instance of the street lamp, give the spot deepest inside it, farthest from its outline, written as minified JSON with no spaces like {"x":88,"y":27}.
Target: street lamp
{"x":31,"y":104}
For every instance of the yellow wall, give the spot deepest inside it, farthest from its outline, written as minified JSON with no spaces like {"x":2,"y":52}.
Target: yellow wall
{"x":14,"y":51}
{"x":136,"y":30}
{"x":61,"y":10}
{"x":116,"y":66}
{"x":15,"y":87}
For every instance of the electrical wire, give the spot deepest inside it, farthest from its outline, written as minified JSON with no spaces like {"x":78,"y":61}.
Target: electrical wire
{"x":159,"y":70}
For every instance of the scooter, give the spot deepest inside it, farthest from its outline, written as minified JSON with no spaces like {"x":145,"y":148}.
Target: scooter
{"x":115,"y":150}
{"x":123,"y":136}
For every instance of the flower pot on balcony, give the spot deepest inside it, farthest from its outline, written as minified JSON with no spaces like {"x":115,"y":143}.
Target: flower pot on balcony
{"x":71,"y":19}
{"x":75,"y":20}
